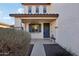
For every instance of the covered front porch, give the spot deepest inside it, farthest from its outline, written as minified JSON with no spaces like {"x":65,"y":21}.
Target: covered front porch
{"x":40,"y":26}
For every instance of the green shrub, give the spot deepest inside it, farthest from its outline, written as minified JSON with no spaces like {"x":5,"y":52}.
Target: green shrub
{"x":14,"y":42}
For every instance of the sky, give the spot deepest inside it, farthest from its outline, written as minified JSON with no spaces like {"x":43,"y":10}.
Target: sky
{"x":8,"y":8}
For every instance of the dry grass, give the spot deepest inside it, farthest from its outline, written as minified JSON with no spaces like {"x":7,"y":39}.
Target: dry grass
{"x":14,"y":42}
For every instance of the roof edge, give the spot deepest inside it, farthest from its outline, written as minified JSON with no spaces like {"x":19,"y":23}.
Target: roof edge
{"x":34,"y":15}
{"x":35,"y":3}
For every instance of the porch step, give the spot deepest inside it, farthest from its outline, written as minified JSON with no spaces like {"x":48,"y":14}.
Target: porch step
{"x":42,"y":41}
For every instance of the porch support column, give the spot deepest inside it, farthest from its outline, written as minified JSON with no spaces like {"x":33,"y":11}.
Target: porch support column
{"x":25,"y":26}
{"x":52,"y":28}
{"x":18,"y":24}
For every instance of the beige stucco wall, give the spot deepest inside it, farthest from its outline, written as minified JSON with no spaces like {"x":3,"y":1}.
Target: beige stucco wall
{"x":52,"y":28}
{"x":33,"y":9}
{"x":68,"y":26}
{"x":49,"y":8}
{"x":35,"y":35}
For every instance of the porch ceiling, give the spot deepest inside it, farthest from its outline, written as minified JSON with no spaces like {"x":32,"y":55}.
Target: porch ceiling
{"x":37,"y":20}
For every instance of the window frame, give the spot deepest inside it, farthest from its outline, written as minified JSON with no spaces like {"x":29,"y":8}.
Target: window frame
{"x":37,"y":9}
{"x":31,"y":30}
{"x":44,"y":9}
{"x":30,"y":10}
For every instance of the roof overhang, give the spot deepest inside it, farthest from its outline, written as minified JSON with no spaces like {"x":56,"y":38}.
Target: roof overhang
{"x":36,"y":3}
{"x":2,"y":25}
{"x":34,"y":15}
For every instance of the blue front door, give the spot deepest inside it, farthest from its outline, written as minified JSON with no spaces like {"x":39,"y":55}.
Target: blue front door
{"x":46,"y":30}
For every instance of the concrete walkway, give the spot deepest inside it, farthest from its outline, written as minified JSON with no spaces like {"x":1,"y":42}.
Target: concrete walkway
{"x":38,"y":50}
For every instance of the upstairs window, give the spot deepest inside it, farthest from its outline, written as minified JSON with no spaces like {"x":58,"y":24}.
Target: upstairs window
{"x":37,"y":10}
{"x":44,"y":10}
{"x":29,"y":10}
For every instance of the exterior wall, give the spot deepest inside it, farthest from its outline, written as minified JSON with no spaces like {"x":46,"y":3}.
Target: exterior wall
{"x":38,"y":35}
{"x":52,"y":28}
{"x":35,"y":35}
{"x":68,"y":26}
{"x":49,"y":9}
{"x":25,"y":9}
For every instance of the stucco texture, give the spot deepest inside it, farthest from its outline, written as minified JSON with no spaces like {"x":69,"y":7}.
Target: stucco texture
{"x":67,"y":33}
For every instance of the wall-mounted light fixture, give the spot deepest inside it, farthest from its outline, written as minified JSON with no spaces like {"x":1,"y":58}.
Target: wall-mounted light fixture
{"x":56,"y":27}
